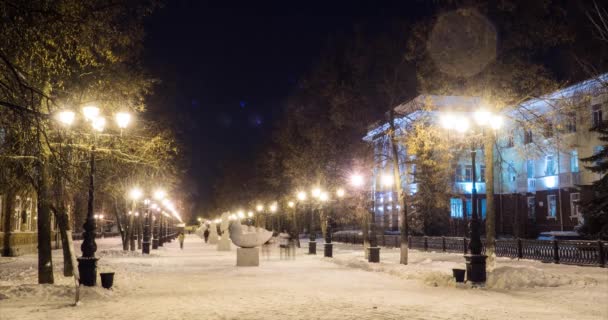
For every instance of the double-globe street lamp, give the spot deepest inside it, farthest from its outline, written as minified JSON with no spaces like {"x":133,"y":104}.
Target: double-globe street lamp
{"x":475,"y":261}
{"x":87,"y":264}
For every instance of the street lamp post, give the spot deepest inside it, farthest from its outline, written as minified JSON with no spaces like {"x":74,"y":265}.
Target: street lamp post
{"x":145,"y":248}
{"x":155,"y":225}
{"x":87,"y":264}
{"x":135,"y":194}
{"x":475,"y":261}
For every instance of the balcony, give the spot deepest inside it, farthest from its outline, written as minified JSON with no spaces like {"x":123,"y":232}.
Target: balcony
{"x":467,"y":187}
{"x":526,"y":185}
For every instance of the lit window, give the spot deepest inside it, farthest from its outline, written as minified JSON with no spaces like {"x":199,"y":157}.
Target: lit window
{"x":574,"y":205}
{"x":530,"y":168}
{"x":482,"y":173}
{"x":456,"y":208}
{"x":552,"y":205}
{"x":468,"y":173}
{"x":550,"y":165}
{"x":574,"y":161}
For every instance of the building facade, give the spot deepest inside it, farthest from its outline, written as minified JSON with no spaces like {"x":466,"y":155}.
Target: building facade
{"x":536,"y":160}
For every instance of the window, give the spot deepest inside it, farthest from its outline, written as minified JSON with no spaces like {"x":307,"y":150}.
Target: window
{"x":456,"y":208}
{"x":550,"y":169}
{"x":527,"y":136}
{"x":482,"y":207}
{"x":574,"y":205}
{"x":468,"y":173}
{"x":551,"y":206}
{"x":597,"y":117}
{"x":509,"y":143}
{"x":574,"y":161}
{"x":482,"y":173}
{"x":469,"y":208}
{"x":548,"y":130}
{"x":597,"y":150}
{"x":530,"y":168}
{"x":511,"y":172}
{"x":571,"y":122}
{"x":532,"y":208}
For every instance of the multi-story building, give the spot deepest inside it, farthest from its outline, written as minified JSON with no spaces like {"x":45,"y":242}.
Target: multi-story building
{"x":536,"y":160}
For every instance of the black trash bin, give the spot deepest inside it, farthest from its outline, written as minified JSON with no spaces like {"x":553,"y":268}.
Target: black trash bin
{"x":458,"y":274}
{"x":107,"y":279}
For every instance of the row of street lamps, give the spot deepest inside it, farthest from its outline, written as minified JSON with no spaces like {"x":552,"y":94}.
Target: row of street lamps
{"x":476,"y":271}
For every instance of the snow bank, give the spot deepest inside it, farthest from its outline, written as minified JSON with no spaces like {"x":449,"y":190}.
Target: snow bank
{"x":435,"y":269}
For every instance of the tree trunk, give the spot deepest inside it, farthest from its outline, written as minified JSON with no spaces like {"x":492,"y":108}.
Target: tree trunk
{"x":365,"y":227}
{"x":490,"y":212}
{"x":45,"y":261}
{"x":8,"y":229}
{"x":124,"y":234}
{"x":398,"y":187}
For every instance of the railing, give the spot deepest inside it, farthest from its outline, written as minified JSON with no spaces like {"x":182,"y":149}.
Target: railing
{"x":574,"y":252}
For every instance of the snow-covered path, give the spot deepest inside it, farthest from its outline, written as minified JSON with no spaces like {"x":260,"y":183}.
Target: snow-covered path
{"x":200,"y":282}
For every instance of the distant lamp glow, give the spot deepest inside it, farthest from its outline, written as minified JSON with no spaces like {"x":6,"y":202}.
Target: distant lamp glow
{"x":301,"y":195}
{"x":160,"y":194}
{"x":241,"y":214}
{"x":250,"y":214}
{"x":136,"y":214}
{"x":447,"y":121}
{"x":259,"y":208}
{"x":323,"y":196}
{"x":316,"y":192}
{"x":387,"y":180}
{"x":496,"y":122}
{"x":147,"y":201}
{"x":135,"y":193}
{"x":356,"y":180}
{"x":462,"y":125}
{"x":273,"y":208}
{"x":290,"y":204}
{"x":199,"y":219}
{"x":99,"y":123}
{"x":123,"y":119}
{"x":66,"y":117}
{"x":90,"y":112}
{"x":340,"y":193}
{"x":482,"y":117}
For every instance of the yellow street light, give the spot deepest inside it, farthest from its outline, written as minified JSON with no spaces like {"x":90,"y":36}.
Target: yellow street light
{"x":316,"y":192}
{"x":99,"y":123}
{"x":323,"y":196}
{"x":90,"y":112}
{"x":160,"y":194}
{"x":259,"y":208}
{"x":301,"y":195}
{"x":250,"y":214}
{"x":273,"y":207}
{"x":356,"y":180}
{"x":123,"y":119}
{"x":66,"y":117}
{"x":387,"y":180}
{"x":135,"y":193}
{"x":340,"y":193}
{"x":290,"y":204}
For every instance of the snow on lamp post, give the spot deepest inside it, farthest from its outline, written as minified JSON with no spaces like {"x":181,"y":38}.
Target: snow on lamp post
{"x":475,"y":261}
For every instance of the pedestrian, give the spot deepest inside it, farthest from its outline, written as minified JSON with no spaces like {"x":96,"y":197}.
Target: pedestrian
{"x":181,"y":240}
{"x":206,"y":234}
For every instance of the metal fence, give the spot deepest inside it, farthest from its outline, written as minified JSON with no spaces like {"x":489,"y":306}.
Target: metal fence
{"x":574,"y":252}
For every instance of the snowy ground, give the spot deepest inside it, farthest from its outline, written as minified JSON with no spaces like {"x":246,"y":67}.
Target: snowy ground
{"x":202,"y":283}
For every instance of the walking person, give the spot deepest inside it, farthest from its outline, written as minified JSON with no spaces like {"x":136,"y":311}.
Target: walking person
{"x":181,"y":240}
{"x":206,"y":234}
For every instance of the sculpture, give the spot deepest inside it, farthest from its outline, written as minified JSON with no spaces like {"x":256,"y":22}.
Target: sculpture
{"x":249,"y":237}
{"x":213,"y":233}
{"x":224,"y":243}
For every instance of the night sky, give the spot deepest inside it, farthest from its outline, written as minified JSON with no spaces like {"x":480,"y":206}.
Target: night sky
{"x":226,"y":70}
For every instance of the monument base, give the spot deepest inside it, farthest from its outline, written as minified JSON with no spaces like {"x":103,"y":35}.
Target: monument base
{"x":247,"y":257}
